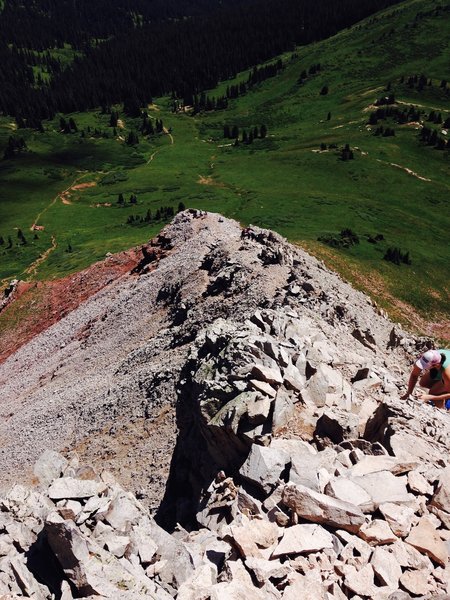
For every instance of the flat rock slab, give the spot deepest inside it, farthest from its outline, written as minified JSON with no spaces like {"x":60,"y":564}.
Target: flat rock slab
{"x":416,"y":582}
{"x":377,"y":532}
{"x":301,"y":539}
{"x":374,"y":464}
{"x":255,"y":535}
{"x":347,"y":490}
{"x":426,"y":539}
{"x":400,"y":518}
{"x":441,"y":499}
{"x":264,"y":466}
{"x":319,"y":508}
{"x":385,"y":567}
{"x":383,"y":487}
{"x":68,"y":487}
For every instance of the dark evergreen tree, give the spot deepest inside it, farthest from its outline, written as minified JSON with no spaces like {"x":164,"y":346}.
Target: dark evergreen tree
{"x":346,"y":153}
{"x":132,"y":139}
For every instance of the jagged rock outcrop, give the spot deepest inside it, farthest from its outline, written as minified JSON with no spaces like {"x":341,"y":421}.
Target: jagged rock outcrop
{"x":297,"y":471}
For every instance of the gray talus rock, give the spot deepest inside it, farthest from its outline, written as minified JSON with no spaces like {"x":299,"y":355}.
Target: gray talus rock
{"x":441,"y":498}
{"x":385,"y":567}
{"x":303,"y":539}
{"x":383,"y":487}
{"x":400,"y":518}
{"x":320,"y":508}
{"x":122,"y":511}
{"x":263,"y":569}
{"x":337,"y":425}
{"x":328,"y":381}
{"x":68,"y":487}
{"x":49,"y":466}
{"x":264,"y":466}
{"x":269,"y":375}
{"x":347,"y":490}
{"x":375,"y":464}
{"x":178,"y":565}
{"x":89,"y":568}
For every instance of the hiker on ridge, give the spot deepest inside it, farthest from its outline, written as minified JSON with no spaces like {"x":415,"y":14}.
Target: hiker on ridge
{"x":436,"y":377}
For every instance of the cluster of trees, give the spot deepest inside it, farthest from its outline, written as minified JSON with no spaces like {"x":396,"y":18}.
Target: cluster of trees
{"x":399,"y":115}
{"x":384,"y":131}
{"x":419,"y":82}
{"x":163,"y":213}
{"x":259,"y":74}
{"x":346,"y":238}
{"x":385,"y":100}
{"x":204,"y":103}
{"x":131,"y":200}
{"x":14,"y":147}
{"x":68,"y":126}
{"x":313,"y":69}
{"x":233,"y":133}
{"x":436,"y":118}
{"x":431,"y":138}
{"x":192,"y":54}
{"x":9,"y":243}
{"x":397,"y":256}
{"x":147,"y":127}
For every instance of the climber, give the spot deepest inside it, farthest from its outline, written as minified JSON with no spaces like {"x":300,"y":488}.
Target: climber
{"x":436,"y":377}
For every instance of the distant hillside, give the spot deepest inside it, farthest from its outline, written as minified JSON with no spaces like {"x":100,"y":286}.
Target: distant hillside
{"x":341,"y":145}
{"x":126,"y":54}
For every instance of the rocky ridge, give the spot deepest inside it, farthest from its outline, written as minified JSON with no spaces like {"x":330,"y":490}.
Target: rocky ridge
{"x":272,"y":386}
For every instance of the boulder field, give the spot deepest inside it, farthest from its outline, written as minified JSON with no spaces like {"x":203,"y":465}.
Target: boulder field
{"x":223,"y":422}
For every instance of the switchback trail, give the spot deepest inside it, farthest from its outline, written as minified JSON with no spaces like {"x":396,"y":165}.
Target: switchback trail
{"x":31,"y":270}
{"x":59,"y":195}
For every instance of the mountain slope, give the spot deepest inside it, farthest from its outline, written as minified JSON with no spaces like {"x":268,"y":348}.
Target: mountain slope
{"x":105,"y":378}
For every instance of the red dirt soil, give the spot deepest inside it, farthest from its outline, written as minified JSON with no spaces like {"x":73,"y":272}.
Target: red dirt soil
{"x":37,"y":305}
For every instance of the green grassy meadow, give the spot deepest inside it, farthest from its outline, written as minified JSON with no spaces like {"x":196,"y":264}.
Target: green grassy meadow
{"x":395,"y":186}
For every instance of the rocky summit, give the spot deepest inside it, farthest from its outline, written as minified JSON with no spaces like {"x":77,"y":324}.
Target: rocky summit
{"x":222,"y":422}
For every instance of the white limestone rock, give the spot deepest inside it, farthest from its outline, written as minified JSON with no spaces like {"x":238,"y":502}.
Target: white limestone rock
{"x":49,"y":466}
{"x":400,"y":518}
{"x":417,"y":483}
{"x":347,"y":490}
{"x":375,"y":464}
{"x":385,"y":567}
{"x":377,"y":532}
{"x":425,"y":538}
{"x":301,"y":539}
{"x":416,"y":582}
{"x":319,"y":508}
{"x":383,"y":487}
{"x":68,"y":487}
{"x":441,"y":498}
{"x":264,"y":466}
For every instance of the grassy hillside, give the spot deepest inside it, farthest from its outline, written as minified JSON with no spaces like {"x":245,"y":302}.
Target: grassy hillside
{"x":395,"y":192}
